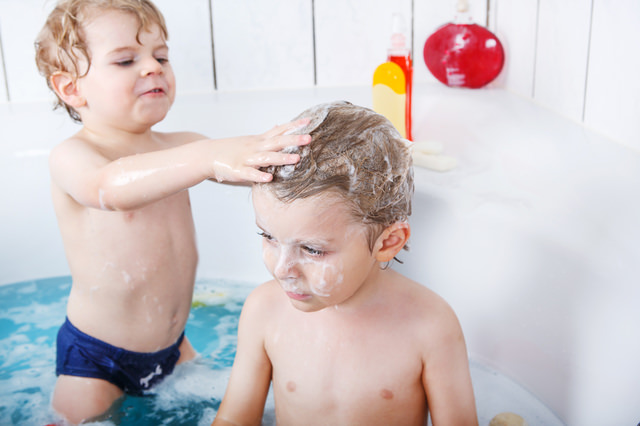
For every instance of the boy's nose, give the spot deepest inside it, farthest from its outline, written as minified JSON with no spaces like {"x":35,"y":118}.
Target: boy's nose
{"x":151,"y":66}
{"x":286,"y":267}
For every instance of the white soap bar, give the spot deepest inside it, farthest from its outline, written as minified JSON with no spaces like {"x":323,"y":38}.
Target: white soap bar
{"x":439,"y":163}
{"x":428,"y":147}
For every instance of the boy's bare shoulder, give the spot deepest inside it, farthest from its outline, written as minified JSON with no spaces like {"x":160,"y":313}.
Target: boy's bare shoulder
{"x":410,"y":289}
{"x":76,"y":141}
{"x":261,"y":309}
{"x":269,"y":291}
{"x":428,"y":308}
{"x":76,"y":149}
{"x":265,"y":297}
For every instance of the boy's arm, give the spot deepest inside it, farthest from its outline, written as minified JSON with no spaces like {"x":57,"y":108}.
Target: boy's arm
{"x":446,"y":377}
{"x":244,"y":399}
{"x":81,"y":170}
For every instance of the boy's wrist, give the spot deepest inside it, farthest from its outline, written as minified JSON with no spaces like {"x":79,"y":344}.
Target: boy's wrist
{"x":204,"y":154}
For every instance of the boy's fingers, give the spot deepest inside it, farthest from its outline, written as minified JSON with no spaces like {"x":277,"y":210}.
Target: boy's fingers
{"x":272,"y":159}
{"x":281,"y":142}
{"x":287,"y":128}
{"x":255,"y":175}
{"x":291,"y":140}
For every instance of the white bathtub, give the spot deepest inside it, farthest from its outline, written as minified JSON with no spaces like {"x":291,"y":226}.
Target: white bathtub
{"x":534,"y":238}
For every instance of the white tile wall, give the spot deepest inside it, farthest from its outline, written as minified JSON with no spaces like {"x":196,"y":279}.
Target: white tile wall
{"x":3,"y":83}
{"x":352,"y":38}
{"x":263,"y":44}
{"x":515,"y":25}
{"x":613,"y":84}
{"x":561,"y":55}
{"x":579,"y":62}
{"x":20,"y":22}
{"x":189,"y":43}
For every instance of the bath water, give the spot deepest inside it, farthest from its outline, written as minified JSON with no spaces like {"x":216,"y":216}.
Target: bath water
{"x":31,"y":313}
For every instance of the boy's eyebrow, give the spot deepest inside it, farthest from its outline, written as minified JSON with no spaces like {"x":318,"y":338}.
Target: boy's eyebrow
{"x":313,"y":243}
{"x":136,"y":47}
{"x":161,"y":46}
{"x":298,"y":241}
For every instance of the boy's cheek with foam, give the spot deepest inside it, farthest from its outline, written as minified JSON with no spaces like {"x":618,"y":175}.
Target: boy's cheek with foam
{"x":326,"y":279}
{"x":298,"y":273}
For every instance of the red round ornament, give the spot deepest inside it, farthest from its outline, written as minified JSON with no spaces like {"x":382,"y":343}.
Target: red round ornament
{"x":464,"y":55}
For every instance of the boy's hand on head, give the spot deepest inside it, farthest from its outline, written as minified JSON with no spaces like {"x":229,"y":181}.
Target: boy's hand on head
{"x":238,"y":159}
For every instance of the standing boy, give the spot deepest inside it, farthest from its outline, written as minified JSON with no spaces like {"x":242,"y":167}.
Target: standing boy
{"x":119,"y":192}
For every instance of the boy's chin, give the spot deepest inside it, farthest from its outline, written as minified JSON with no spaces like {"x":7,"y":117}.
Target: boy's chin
{"x":306,"y":306}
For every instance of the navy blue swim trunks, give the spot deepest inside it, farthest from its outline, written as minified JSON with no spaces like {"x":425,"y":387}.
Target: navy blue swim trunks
{"x":81,"y":355}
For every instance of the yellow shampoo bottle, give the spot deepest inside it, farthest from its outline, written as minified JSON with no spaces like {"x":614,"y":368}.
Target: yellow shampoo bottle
{"x":390,"y":94}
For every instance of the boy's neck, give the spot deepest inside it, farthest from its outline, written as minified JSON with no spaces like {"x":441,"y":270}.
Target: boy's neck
{"x":117,"y":139}
{"x":368,"y":297}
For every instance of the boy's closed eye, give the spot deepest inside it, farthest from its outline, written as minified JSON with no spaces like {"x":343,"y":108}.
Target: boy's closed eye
{"x":313,"y":251}
{"x":161,"y":59}
{"x":265,"y":235}
{"x":310,"y":250}
{"x":124,"y":62}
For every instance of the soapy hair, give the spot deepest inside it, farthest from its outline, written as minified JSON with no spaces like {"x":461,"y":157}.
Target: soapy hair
{"x":354,"y":153}
{"x":61,"y":45}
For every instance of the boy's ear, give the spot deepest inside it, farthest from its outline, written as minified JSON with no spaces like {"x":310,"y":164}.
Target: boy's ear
{"x":391,"y":241}
{"x":66,"y":88}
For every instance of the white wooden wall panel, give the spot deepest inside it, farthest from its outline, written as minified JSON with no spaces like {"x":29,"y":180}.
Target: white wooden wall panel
{"x":3,"y":83}
{"x":516,"y":28}
{"x":429,"y":15}
{"x":352,"y":38}
{"x":561,"y":55}
{"x":580,"y":63}
{"x":20,"y":22}
{"x":263,"y":44}
{"x":189,"y":43}
{"x":613,"y":85}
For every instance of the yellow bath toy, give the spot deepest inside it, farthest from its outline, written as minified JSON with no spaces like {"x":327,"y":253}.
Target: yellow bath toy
{"x":209,"y":298}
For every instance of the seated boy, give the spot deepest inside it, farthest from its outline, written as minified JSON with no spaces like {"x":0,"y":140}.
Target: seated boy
{"x":344,"y":339}
{"x":120,"y":194}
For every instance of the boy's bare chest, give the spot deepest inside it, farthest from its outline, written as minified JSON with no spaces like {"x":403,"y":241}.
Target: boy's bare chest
{"x":128,"y":255}
{"x":348,"y":369}
{"x":169,"y":217}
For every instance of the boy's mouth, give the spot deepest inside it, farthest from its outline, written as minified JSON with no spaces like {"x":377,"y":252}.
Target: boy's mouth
{"x":154,"y":91}
{"x":298,"y":296}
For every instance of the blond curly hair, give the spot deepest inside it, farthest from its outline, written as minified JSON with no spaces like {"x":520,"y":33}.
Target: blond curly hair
{"x":61,"y":45}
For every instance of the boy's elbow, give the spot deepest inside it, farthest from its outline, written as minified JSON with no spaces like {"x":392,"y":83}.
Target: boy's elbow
{"x":114,"y":193}
{"x":105,"y":200}
{"x":104,"y":195}
{"x":109,"y":200}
